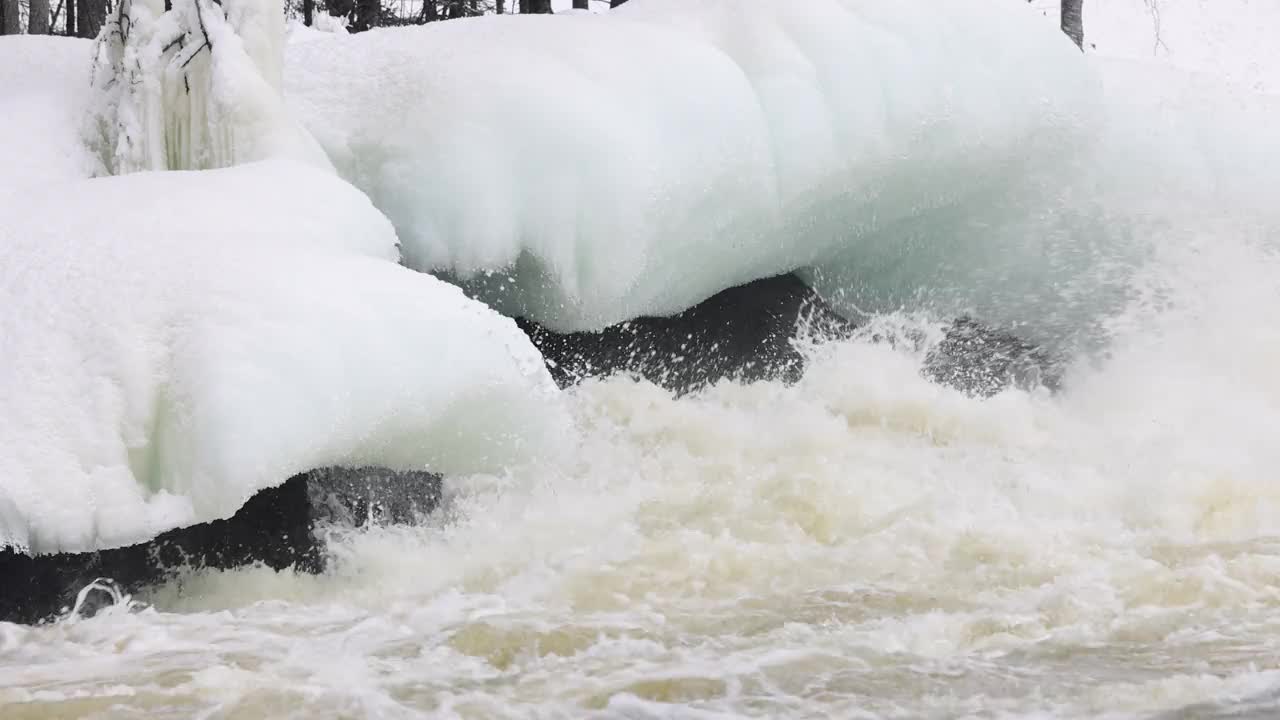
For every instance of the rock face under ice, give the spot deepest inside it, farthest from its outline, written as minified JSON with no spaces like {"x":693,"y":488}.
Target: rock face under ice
{"x":748,"y":333}
{"x":371,"y":495}
{"x":744,"y":333}
{"x":982,"y":361}
{"x":275,"y":528}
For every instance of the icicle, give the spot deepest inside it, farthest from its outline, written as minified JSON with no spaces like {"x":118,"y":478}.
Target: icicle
{"x":193,"y":88}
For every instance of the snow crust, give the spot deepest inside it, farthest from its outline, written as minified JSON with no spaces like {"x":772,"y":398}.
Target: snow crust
{"x":174,"y":342}
{"x":638,"y":161}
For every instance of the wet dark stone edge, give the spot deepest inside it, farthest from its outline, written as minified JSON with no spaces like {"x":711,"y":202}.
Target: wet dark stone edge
{"x":275,"y":528}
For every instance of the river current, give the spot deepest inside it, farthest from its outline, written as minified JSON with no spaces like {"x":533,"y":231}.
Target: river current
{"x":860,"y":544}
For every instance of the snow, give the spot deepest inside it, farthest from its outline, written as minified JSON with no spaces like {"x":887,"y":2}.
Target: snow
{"x":174,"y":342}
{"x":323,"y":26}
{"x":42,"y":99}
{"x":638,"y":161}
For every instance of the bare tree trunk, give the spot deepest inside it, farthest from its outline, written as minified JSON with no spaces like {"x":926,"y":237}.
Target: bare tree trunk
{"x":615,"y":3}
{"x":308,"y":12}
{"x":92,"y":14}
{"x":531,"y":7}
{"x":1073,"y":21}
{"x":367,"y":12}
{"x":344,"y":9}
{"x":500,"y":6}
{"x":579,"y":4}
{"x":9,"y":17}
{"x":38,"y":17}
{"x":71,"y":18}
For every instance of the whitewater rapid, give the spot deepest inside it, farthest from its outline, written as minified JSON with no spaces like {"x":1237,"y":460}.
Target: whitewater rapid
{"x":860,"y":544}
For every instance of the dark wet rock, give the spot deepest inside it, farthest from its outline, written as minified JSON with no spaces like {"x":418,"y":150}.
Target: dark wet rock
{"x":371,"y":496}
{"x":743,"y":333}
{"x":982,"y":361}
{"x":275,"y":528}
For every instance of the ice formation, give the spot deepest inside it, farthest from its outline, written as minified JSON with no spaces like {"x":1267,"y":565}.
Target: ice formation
{"x":192,"y":88}
{"x":586,"y":169}
{"x":174,"y":342}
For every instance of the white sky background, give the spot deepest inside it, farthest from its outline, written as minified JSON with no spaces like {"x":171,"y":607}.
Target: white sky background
{"x":1236,"y":39}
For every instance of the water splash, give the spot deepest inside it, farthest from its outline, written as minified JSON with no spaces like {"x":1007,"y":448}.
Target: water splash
{"x":100,"y":596}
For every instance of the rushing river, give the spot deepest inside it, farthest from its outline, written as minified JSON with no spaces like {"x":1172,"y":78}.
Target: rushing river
{"x":860,"y":544}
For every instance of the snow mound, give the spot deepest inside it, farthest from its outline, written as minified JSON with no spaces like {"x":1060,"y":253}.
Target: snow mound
{"x":638,"y":161}
{"x":43,"y":96}
{"x":174,"y":342}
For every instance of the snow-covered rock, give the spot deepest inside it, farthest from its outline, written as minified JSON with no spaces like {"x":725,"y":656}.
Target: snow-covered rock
{"x":586,"y":169}
{"x":174,"y":342}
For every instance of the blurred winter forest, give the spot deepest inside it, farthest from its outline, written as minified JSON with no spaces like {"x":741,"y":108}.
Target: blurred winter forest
{"x":84,"y":18}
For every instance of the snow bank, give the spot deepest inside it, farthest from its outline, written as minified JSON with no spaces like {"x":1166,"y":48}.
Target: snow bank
{"x":174,"y":342}
{"x":43,"y":97}
{"x":638,"y":161}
